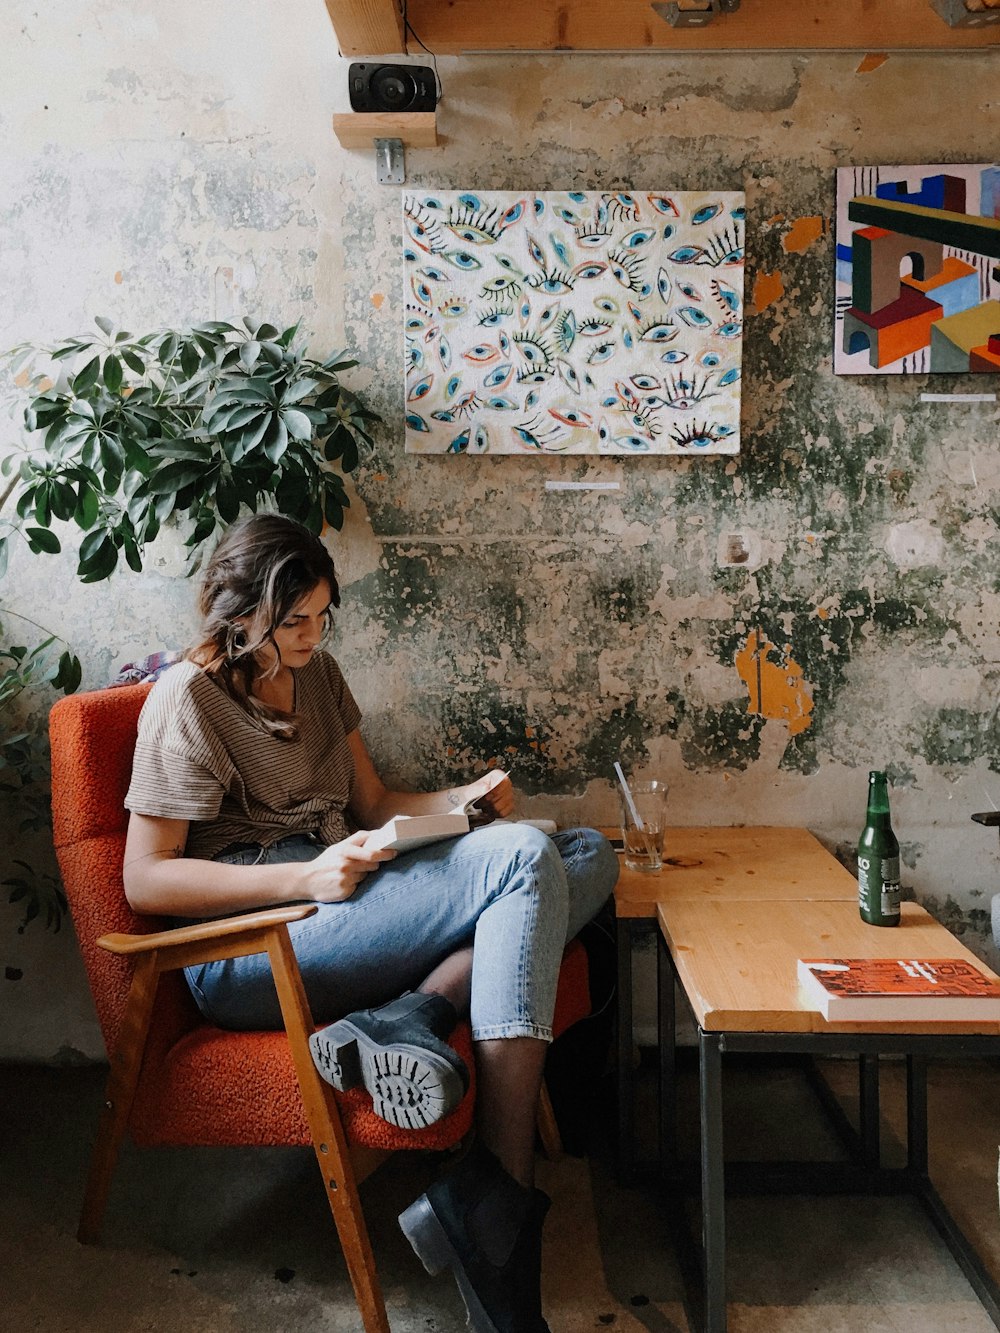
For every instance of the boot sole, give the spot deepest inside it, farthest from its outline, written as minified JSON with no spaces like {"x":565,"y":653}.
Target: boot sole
{"x":410,"y":1087}
{"x":419,"y":1224}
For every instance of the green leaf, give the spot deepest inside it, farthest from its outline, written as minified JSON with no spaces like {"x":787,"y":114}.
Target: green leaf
{"x":99,"y":561}
{"x":62,"y":500}
{"x":41,"y":539}
{"x":226,"y":500}
{"x":86,"y":506}
{"x":250,"y":353}
{"x":112,"y":457}
{"x":349,"y":458}
{"x":297,"y":424}
{"x":87,"y":377}
{"x":112,"y":372}
{"x":133,"y":555}
{"x":168,"y":349}
{"x":105,"y":325}
{"x":174,"y":477}
{"x":191,"y":357}
{"x":134,"y":362}
{"x":3,"y":556}
{"x":276,"y":439}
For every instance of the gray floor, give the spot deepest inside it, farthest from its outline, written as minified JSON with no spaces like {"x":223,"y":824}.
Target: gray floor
{"x":223,"y":1239}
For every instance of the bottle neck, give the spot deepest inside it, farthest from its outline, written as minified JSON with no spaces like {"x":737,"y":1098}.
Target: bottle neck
{"x":878,"y":802}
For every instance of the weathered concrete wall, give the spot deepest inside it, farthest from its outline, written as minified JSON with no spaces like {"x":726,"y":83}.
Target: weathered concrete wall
{"x":174,"y":165}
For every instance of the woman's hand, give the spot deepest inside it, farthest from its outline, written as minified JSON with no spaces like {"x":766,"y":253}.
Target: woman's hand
{"x":335,"y":874}
{"x":493,"y":793}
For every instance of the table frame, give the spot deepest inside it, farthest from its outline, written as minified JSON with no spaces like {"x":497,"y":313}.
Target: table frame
{"x":864,"y":1173}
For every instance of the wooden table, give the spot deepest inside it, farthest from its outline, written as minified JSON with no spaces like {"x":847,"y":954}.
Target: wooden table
{"x":736,"y":961}
{"x":746,"y":863}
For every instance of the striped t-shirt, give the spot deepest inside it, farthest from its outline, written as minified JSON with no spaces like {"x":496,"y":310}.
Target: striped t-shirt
{"x":201,"y":757}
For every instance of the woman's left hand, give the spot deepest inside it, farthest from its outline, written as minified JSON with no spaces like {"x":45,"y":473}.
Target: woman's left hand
{"x":493,"y":793}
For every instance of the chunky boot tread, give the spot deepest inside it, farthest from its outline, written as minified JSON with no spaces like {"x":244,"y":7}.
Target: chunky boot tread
{"x":411,"y":1085}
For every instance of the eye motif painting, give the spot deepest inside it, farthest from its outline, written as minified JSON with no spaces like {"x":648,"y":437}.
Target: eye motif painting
{"x":573,"y":323}
{"x":918,"y":283}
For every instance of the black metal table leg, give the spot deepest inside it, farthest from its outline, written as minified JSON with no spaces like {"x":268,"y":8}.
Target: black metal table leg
{"x":713,"y":1182}
{"x":667,"y":1041}
{"x":626,"y":1090}
{"x":916,"y":1114}
{"x":868,"y":1109}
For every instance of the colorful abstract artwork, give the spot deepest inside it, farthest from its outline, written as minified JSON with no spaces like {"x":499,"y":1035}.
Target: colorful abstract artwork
{"x":573,"y":323}
{"x":918,"y":270}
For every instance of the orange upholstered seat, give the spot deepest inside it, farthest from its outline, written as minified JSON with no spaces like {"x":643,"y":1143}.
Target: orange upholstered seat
{"x":177,"y":1080}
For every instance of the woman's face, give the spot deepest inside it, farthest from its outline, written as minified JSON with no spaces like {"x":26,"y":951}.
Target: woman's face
{"x":300,"y":633}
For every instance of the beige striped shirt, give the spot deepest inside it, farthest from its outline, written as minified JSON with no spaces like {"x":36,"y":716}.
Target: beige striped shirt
{"x":202,"y":758}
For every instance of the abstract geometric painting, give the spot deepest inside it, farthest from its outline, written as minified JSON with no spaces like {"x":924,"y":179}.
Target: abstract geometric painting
{"x":573,"y":323}
{"x":918,"y":270}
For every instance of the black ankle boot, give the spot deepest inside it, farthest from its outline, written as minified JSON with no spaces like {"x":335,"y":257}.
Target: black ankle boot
{"x":400,"y":1053}
{"x":487,"y":1228}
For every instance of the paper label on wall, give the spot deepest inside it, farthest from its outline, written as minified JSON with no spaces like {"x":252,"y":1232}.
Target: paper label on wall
{"x":573,"y":323}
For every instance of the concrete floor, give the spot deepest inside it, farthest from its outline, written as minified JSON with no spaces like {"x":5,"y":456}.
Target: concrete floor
{"x":215,"y":1240}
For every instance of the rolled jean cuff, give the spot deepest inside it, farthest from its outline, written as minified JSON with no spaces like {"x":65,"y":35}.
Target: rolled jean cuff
{"x":504,"y":1031}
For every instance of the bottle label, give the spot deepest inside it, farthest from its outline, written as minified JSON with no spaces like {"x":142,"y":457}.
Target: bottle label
{"x":878,"y":885}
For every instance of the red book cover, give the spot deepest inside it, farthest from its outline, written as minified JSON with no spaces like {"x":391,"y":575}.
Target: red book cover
{"x":863,"y":989}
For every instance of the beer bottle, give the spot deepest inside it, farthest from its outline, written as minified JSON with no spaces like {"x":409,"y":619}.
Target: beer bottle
{"x":878,"y":859}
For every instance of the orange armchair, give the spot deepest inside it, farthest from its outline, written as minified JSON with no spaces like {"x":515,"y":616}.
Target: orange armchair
{"x":177,"y":1080}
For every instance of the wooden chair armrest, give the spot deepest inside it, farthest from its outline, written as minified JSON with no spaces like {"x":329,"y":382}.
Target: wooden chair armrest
{"x":221,"y":928}
{"x":991,"y":818}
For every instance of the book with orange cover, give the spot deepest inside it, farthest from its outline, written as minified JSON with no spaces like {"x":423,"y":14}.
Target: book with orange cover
{"x":861,"y":990}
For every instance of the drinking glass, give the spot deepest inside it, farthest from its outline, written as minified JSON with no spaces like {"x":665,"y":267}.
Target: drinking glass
{"x":644,"y":847}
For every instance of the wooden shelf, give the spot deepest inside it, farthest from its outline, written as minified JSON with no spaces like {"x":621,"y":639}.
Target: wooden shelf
{"x":360,"y":129}
{"x":451,"y":27}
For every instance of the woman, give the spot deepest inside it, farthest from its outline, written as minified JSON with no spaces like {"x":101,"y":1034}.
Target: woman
{"x":251,"y":787}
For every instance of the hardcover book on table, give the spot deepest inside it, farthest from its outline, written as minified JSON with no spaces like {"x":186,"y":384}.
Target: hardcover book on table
{"x":860,"y":990}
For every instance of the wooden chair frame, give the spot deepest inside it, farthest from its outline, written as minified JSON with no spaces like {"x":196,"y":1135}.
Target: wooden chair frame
{"x":343,"y":1166}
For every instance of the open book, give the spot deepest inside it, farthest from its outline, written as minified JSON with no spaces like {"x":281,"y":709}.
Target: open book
{"x":405,"y":832}
{"x":866,"y":990}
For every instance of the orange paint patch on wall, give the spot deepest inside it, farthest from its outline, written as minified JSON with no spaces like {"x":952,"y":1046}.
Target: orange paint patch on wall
{"x":776,"y":690}
{"x":378,"y":300}
{"x":873,"y":60}
{"x":119,"y":277}
{"x":767,"y":288}
{"x":801,"y":235}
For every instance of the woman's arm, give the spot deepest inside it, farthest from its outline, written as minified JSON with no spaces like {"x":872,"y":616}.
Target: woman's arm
{"x":160,"y":879}
{"x":372,"y":803}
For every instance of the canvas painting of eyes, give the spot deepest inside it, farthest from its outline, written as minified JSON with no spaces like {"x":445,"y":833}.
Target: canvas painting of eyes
{"x":581,"y":322}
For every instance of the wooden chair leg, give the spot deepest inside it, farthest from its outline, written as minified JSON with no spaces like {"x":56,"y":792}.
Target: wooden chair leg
{"x":548,"y":1128}
{"x":329,"y":1140}
{"x":126,"y":1063}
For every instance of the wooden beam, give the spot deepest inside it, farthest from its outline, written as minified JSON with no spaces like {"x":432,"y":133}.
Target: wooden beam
{"x":416,"y":129}
{"x":368,"y":27}
{"x":449,"y":27}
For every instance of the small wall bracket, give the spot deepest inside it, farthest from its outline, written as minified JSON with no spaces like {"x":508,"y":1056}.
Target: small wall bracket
{"x":390,"y":162}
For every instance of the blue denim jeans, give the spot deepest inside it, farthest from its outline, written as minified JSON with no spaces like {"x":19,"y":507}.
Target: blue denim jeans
{"x":514,"y":893}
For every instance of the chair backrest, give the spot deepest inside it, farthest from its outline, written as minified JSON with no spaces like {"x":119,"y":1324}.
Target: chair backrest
{"x":93,"y":740}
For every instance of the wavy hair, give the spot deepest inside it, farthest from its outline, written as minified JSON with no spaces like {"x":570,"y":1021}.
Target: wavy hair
{"x":260,"y":571}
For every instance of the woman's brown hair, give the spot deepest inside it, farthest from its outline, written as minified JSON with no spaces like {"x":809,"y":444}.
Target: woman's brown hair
{"x":259,"y":572}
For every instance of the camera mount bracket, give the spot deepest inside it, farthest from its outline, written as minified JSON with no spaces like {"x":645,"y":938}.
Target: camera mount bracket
{"x":390,"y":161}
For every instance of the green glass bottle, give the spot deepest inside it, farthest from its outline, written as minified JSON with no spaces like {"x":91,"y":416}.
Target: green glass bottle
{"x":878,"y":859}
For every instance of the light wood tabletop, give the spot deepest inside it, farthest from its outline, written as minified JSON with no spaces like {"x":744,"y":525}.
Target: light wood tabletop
{"x":754,"y":863}
{"x":737,"y":959}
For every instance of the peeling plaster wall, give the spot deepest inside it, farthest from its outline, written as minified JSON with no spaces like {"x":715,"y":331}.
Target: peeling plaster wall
{"x":162,"y":166}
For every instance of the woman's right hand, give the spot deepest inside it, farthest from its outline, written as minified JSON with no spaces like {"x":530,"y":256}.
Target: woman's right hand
{"x":335,"y":874}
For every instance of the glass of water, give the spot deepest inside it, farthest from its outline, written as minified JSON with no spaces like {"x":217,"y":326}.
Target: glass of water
{"x":644,"y":846}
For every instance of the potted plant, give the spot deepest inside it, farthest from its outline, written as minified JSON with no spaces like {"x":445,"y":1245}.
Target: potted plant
{"x":125,"y":433}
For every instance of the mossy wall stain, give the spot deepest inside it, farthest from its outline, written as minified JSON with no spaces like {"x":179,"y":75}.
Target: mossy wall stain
{"x":484,"y":619}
